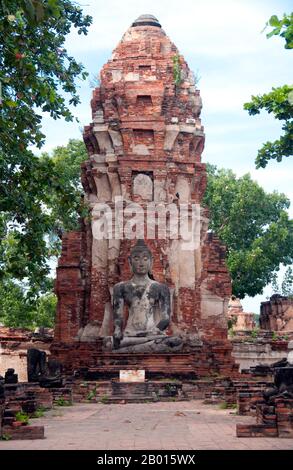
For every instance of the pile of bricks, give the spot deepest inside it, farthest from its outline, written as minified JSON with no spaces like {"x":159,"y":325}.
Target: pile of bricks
{"x":284,"y":416}
{"x":273,"y":420}
{"x":24,"y":399}
{"x":247,"y":400}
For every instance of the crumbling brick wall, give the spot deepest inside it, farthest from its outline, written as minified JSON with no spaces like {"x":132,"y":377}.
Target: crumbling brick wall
{"x":277,"y":314}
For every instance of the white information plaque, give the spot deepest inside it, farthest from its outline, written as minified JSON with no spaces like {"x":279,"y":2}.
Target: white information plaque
{"x":132,"y":375}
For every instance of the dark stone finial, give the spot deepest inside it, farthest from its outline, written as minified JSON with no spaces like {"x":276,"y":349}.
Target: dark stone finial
{"x":146,"y":20}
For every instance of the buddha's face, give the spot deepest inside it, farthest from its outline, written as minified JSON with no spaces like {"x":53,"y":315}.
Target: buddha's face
{"x":140,"y":262}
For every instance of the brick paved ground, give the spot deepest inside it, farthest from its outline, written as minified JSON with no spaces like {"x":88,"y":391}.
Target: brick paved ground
{"x":173,"y":425}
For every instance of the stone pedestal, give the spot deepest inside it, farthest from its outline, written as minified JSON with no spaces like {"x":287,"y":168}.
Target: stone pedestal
{"x":85,"y":360}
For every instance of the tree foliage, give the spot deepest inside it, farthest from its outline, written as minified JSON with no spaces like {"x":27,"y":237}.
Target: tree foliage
{"x":28,"y":242}
{"x":254,"y":226}
{"x":26,"y":297}
{"x":282,"y":27}
{"x":287,"y":283}
{"x":17,"y":310}
{"x":36,"y":75}
{"x":65,"y":200}
{"x":35,"y":68}
{"x":286,"y":286}
{"x":279,"y":102}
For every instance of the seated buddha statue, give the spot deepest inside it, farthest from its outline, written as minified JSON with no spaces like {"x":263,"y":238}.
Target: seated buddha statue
{"x":149,"y":308}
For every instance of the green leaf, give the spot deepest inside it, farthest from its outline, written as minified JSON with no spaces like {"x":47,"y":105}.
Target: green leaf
{"x":10,"y":103}
{"x":274,"y":21}
{"x":274,"y":32}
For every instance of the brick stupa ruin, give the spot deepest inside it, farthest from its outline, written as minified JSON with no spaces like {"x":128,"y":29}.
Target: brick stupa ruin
{"x":144,"y":145}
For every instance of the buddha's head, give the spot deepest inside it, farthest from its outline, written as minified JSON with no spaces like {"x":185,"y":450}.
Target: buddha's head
{"x":141,"y":259}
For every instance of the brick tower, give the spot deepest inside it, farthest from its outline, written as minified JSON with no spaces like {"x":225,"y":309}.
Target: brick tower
{"x":144,"y":147}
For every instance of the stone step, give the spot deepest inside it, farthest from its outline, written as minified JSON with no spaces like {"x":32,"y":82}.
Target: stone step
{"x":128,"y":399}
{"x":8,"y":420}
{"x":24,"y":432}
{"x":136,"y":399}
{"x":8,"y":412}
{"x":99,"y":372}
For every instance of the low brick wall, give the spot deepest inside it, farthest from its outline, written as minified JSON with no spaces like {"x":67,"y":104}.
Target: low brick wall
{"x":249,"y":352}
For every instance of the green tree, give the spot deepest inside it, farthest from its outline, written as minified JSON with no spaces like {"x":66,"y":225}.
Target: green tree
{"x":282,"y":27}
{"x":64,"y":201}
{"x":26,"y":297}
{"x":25,"y":254}
{"x":18,"y":310}
{"x":254,"y":226}
{"x":36,"y":75}
{"x":274,"y":284}
{"x":287,"y":283}
{"x":279,"y":102}
{"x":36,"y":70}
{"x":286,"y":287}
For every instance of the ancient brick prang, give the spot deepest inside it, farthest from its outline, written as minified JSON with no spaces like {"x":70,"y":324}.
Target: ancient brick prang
{"x":144,"y":145}
{"x":239,"y":320}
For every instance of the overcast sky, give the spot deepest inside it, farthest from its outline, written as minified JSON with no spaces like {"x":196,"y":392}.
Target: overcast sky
{"x":223,"y":44}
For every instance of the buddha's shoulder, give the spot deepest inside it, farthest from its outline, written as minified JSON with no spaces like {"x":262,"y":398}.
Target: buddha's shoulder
{"x":122,"y":286}
{"x":159,"y":287}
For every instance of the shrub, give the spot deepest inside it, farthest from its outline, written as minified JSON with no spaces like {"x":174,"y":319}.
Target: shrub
{"x":104,"y":399}
{"x":62,"y":402}
{"x":22,"y":417}
{"x":92,"y":394}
